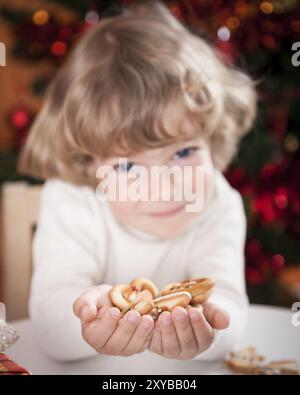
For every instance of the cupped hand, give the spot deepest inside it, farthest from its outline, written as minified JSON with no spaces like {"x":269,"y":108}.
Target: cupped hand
{"x":103,"y":327}
{"x":185,"y":333}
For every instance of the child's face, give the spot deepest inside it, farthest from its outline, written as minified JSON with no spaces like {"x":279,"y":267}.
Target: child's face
{"x":163,"y":217}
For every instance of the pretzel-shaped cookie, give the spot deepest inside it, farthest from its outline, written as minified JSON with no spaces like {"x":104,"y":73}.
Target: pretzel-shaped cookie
{"x":199,"y":288}
{"x":138,"y":295}
{"x":143,"y":296}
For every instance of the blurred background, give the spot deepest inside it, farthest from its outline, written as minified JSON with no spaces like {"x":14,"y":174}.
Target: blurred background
{"x":258,"y":37}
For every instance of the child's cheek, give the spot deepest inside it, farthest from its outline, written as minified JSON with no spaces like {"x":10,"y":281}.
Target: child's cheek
{"x":203,"y":182}
{"x":209,"y":185}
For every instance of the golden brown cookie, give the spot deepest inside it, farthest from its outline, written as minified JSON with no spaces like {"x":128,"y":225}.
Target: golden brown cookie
{"x":244,"y":361}
{"x":199,"y":288}
{"x":143,"y":296}
{"x":284,"y":367}
{"x":138,"y":295}
{"x":169,"y":302}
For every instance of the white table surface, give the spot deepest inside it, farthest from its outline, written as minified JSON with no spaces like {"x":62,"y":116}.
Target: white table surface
{"x":270,"y":330}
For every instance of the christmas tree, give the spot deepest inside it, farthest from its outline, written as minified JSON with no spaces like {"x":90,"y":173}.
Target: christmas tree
{"x":260,"y":37}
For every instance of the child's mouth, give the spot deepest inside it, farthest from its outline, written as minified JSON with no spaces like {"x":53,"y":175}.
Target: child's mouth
{"x":168,"y":213}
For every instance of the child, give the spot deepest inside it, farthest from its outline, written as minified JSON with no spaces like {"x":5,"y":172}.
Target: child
{"x":139,"y":86}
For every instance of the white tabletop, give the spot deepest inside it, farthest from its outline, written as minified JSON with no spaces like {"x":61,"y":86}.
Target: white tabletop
{"x":270,"y":330}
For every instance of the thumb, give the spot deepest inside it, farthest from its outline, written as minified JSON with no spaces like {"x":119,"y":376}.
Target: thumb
{"x":216,"y":317}
{"x":87,"y":304}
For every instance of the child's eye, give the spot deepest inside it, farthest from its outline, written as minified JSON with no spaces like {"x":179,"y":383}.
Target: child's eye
{"x":124,"y":167}
{"x":185,"y":152}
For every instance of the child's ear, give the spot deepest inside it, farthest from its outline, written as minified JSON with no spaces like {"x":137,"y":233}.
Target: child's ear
{"x":156,"y":9}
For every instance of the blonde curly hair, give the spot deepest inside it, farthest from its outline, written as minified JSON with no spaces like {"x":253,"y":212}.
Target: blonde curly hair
{"x":111,"y":96}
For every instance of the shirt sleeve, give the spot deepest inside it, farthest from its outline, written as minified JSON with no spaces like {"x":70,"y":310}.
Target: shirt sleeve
{"x":218,"y":253}
{"x":65,"y":263}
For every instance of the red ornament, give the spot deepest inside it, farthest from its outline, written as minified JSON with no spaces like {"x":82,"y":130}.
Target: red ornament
{"x":58,"y":48}
{"x":20,"y":119}
{"x":236,"y":176}
{"x":277,"y":263}
{"x":281,"y":198}
{"x":268,"y":170}
{"x":263,"y":206}
{"x":253,"y":248}
{"x":254,"y":277}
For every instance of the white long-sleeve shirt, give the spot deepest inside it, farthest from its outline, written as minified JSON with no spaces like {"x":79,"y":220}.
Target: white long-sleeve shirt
{"x":79,"y":243}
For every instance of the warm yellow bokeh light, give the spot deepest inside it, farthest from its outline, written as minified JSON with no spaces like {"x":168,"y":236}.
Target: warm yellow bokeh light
{"x":40,"y":17}
{"x":266,"y":7}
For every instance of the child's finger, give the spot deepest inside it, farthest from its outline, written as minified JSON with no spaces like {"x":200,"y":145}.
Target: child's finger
{"x":123,"y":333}
{"x":98,"y":332}
{"x":170,"y":343}
{"x":86,"y":305}
{"x":217,"y":317}
{"x":147,"y":342}
{"x":184,"y":331}
{"x":156,"y":342}
{"x":139,"y":337}
{"x":202,"y":329}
